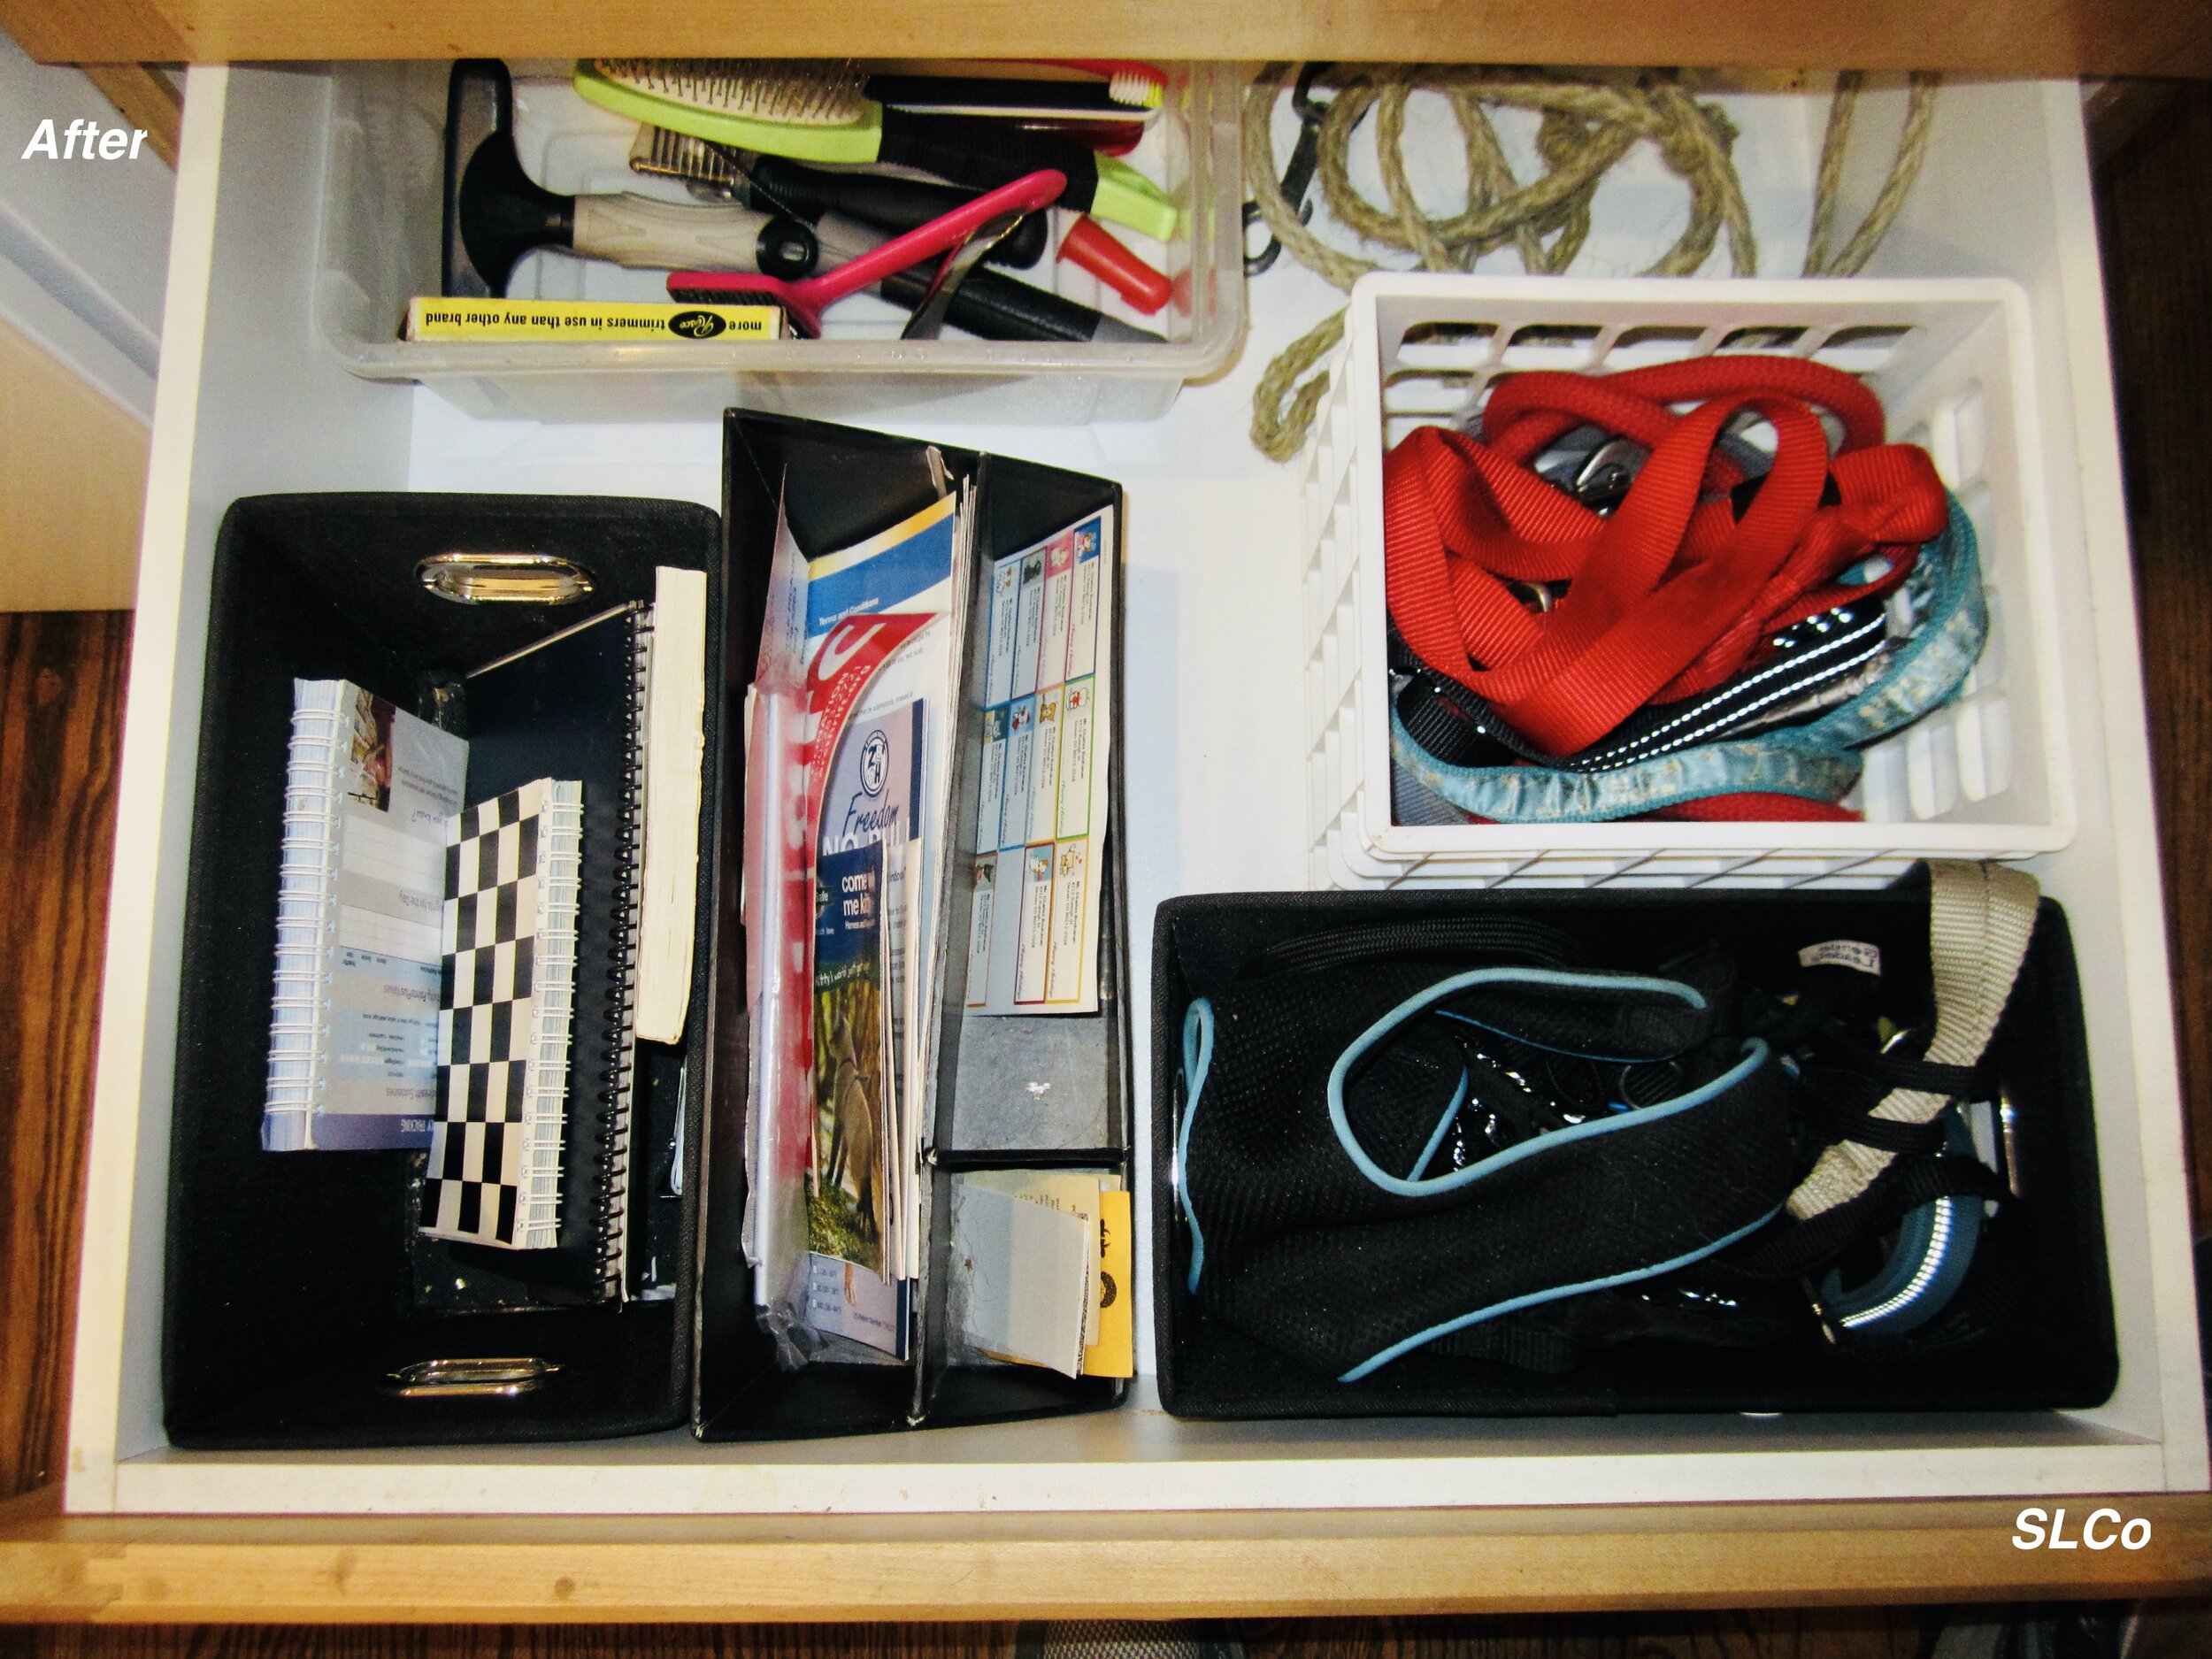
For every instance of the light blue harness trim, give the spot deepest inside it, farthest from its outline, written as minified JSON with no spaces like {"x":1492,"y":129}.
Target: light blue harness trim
{"x":1755,"y":1056}
{"x":1198,"y":1040}
{"x":1819,"y":760}
{"x":1537,"y":1297}
{"x":1198,"y":1058}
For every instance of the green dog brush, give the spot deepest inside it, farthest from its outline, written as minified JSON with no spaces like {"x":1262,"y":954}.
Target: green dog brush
{"x":816,"y":111}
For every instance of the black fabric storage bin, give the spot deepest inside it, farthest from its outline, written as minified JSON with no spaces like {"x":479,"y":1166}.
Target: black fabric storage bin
{"x":839,"y":484}
{"x":286,"y":1301}
{"x":2060,"y":1352}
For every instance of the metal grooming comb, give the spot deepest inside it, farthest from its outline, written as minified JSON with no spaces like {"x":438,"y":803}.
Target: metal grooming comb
{"x":662,"y":154}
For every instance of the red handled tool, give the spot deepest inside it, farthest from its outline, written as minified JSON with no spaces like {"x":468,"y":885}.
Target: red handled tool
{"x":1089,"y":246}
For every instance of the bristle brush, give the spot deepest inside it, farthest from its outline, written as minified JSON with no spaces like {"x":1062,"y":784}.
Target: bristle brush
{"x":806,"y":112}
{"x":785,"y":91}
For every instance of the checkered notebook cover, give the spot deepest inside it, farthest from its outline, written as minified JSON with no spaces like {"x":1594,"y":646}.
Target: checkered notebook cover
{"x":513,"y":872}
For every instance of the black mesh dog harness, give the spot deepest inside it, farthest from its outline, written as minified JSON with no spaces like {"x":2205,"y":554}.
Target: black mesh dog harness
{"x":1378,"y":1154}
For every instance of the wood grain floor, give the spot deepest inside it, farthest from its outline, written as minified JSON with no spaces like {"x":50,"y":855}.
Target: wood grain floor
{"x":2155,"y":196}
{"x":60,"y":688}
{"x":61,"y":696}
{"x":1863,"y":1633}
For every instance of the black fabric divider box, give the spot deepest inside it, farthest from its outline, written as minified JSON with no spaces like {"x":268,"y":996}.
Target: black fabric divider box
{"x":838,"y":485}
{"x":290,"y":1297}
{"x":2058,"y":1351}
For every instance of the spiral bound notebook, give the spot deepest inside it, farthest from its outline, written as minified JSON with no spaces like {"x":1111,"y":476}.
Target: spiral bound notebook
{"x":507,"y":995}
{"x":353,"y":1029}
{"x":574,"y":706}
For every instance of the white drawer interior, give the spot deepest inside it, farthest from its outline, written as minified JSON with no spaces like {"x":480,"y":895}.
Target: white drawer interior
{"x":251,"y":401}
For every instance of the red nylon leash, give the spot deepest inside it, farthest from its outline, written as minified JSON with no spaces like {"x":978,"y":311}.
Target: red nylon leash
{"x":1748,"y":806}
{"x":1754,"y":807}
{"x":1673,"y":593}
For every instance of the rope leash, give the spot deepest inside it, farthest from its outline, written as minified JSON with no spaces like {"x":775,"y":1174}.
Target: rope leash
{"x":1585,"y":127}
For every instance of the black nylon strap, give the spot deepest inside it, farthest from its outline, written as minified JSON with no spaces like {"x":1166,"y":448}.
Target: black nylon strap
{"x":1847,"y":1082}
{"x":1847,"y":1120}
{"x":1512,"y":1343}
{"x":1445,"y":719}
{"x":1788,"y":1247}
{"x":1996,"y":1290}
{"x":1460,"y":727}
{"x":1606,"y":1317}
{"x":1825,"y":990}
{"x":1930,"y":1077}
{"x":1553,"y":1338}
{"x":1508,"y":938}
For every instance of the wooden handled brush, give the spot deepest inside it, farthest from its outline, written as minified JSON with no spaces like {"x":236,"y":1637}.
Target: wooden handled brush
{"x":495,"y":212}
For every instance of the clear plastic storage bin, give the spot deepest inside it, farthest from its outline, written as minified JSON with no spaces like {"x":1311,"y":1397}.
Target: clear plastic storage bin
{"x":378,"y":248}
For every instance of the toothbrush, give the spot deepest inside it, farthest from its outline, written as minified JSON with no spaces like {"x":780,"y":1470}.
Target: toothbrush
{"x":1141,"y":86}
{"x":988,"y":96}
{"x":1138,"y":88}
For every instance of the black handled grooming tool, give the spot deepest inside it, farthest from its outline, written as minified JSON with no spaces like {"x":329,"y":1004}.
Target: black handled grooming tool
{"x":495,"y":213}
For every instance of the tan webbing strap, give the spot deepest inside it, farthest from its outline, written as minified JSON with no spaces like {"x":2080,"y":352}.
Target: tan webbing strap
{"x":1979,"y":919}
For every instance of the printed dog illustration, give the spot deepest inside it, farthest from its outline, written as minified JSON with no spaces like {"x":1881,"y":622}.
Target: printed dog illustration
{"x":853,"y":1125}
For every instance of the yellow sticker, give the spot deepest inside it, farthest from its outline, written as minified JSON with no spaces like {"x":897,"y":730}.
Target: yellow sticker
{"x":599,"y":321}
{"x":1115,"y":1353}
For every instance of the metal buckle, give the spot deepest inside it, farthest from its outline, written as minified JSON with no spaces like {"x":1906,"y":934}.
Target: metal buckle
{"x":1602,"y":483}
{"x":468,"y":1378}
{"x":512,"y":578}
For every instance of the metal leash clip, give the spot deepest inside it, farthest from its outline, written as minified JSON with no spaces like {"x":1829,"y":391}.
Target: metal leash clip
{"x":1305,"y":155}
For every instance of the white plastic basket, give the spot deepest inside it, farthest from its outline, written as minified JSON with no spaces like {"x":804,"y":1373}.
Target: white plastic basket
{"x":1986,"y":777}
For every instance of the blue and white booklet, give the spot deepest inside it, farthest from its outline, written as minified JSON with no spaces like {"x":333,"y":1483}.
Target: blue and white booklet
{"x":853,"y":1191}
{"x":353,"y":1030}
{"x":883,"y":622}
